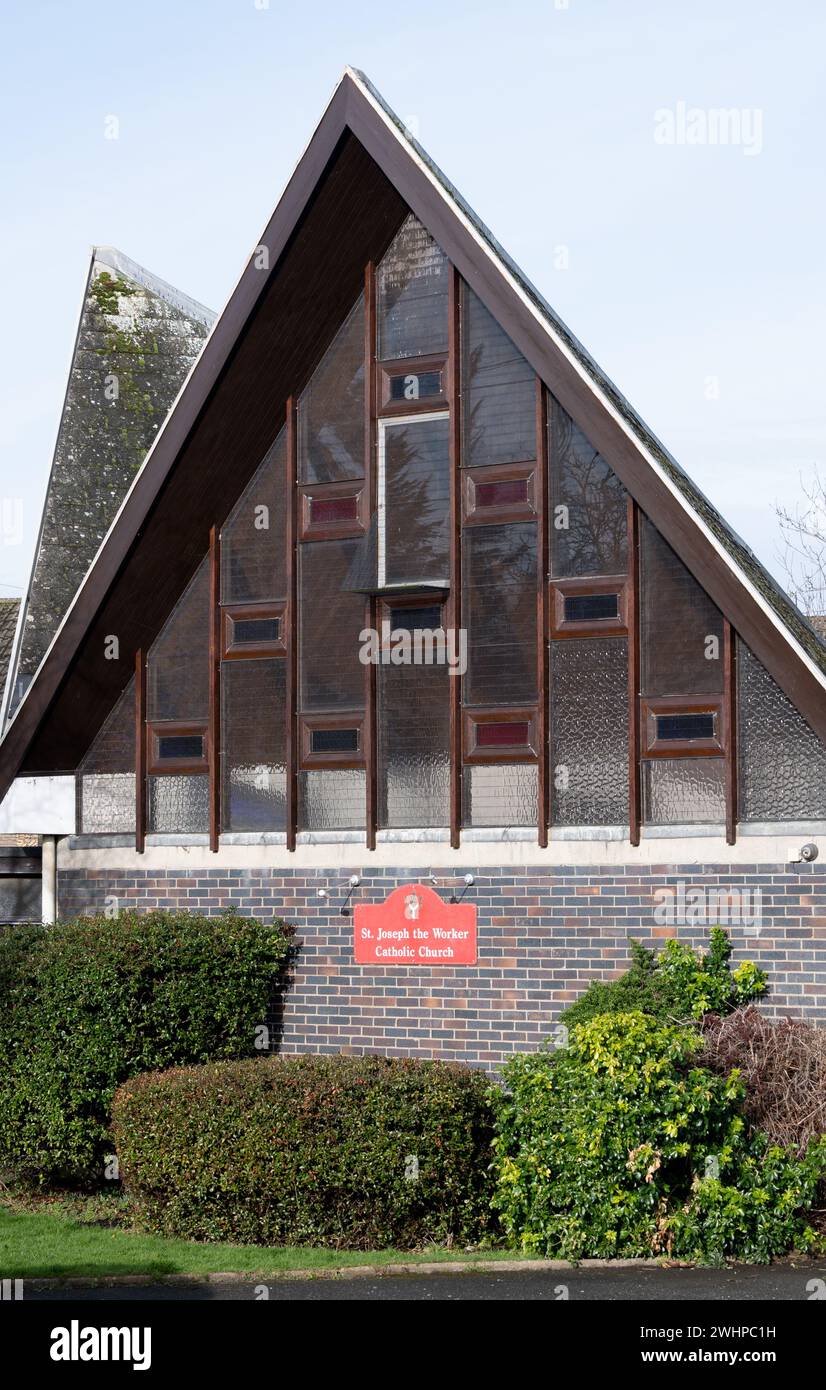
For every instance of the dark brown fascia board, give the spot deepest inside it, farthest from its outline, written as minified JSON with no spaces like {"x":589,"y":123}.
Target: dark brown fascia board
{"x":580,"y":396}
{"x":353,"y":107}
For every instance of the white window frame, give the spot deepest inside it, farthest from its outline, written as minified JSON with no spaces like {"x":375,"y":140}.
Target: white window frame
{"x":392,"y":422}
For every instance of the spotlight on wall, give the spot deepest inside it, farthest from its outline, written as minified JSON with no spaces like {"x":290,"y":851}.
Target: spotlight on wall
{"x":805,"y":855}
{"x":322,"y":892}
{"x":469,"y":881}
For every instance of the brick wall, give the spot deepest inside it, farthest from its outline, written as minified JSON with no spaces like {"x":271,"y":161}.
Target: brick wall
{"x":543,"y":934}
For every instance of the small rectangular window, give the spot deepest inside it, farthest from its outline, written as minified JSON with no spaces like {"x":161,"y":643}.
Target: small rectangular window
{"x":595,"y":607}
{"x":324,"y":510}
{"x":332,"y":511}
{"x":427,"y":618}
{"x":500,"y":735}
{"x":415,"y":386}
{"x":331,"y":740}
{"x":497,"y":493}
{"x":682,"y":727}
{"x":176,"y":748}
{"x":256,"y":630}
{"x":502,"y":494}
{"x":590,"y":608}
{"x":252,"y":630}
{"x":189,"y":746}
{"x":334,"y":740}
{"x":687,"y":726}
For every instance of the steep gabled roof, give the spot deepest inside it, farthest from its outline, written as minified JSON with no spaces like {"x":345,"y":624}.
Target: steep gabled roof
{"x":136,"y":340}
{"x":349,"y":193}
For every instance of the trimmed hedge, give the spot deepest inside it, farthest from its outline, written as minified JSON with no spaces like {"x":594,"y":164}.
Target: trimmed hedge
{"x":86,"y":1004}
{"x":360,"y":1152}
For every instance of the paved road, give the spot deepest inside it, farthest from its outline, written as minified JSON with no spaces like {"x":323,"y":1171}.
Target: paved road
{"x":779,"y":1282}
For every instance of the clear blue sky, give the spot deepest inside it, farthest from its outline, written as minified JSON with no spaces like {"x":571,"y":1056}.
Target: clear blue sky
{"x":695,"y":271}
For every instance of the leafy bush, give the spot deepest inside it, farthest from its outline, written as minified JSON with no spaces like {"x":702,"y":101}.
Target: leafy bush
{"x":676,"y":985}
{"x":621,"y":1145}
{"x":340,"y":1151}
{"x":88,"y":1003}
{"x":783,"y":1066}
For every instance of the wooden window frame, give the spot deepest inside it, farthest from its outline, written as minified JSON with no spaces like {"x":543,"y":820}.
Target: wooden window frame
{"x":425,"y":598}
{"x":307,"y":723}
{"x":161,"y":767}
{"x":474,"y":515}
{"x":411,"y":366}
{"x":308,"y":530}
{"x":472,"y":719}
{"x":231,"y":613}
{"x":562,"y":627}
{"x":651,"y":708}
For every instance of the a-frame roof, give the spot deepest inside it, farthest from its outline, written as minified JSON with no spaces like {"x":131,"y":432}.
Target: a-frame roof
{"x":349,"y":193}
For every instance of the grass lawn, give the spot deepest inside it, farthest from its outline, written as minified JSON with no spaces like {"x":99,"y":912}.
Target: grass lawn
{"x":77,"y":1237}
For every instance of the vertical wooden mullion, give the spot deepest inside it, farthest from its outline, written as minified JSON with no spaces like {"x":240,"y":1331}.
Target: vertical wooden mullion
{"x":292,"y":628}
{"x":730,"y":707}
{"x":370,"y":483}
{"x":455,"y":681}
{"x":634,"y":814}
{"x":140,"y":750}
{"x":542,"y":713}
{"x":214,"y":724}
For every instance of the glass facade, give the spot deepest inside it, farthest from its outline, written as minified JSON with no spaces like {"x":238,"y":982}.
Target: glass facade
{"x":411,"y":468}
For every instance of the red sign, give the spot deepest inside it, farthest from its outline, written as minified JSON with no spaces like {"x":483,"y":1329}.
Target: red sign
{"x":414,"y":926}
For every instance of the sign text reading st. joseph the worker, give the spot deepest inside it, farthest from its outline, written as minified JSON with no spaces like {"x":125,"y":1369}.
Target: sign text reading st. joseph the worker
{"x":414,"y":926}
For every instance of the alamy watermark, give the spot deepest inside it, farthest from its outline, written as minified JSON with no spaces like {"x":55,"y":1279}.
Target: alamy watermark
{"x":389,"y":646}
{"x":699,"y":906}
{"x":737,"y":126}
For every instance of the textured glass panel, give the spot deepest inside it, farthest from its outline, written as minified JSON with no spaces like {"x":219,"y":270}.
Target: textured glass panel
{"x":498,"y":391}
{"x":414,"y":483}
{"x":254,"y":538}
{"x":114,"y":747}
{"x":106,"y":803}
{"x":177,"y":674}
{"x":178,"y":804}
{"x":253,"y":745}
{"x":413,"y":746}
{"x":782,"y":760}
{"x":332,"y":677}
{"x":678,"y":618}
{"x":589,"y":505}
{"x":684,"y":791}
{"x":331,"y":409}
{"x":412,"y":295}
{"x":499,"y":612}
{"x":332,"y":799}
{"x":589,"y":731}
{"x":21,"y":899}
{"x":500,"y":796}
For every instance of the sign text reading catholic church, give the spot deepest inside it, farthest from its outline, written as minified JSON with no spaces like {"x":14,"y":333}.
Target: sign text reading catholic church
{"x":414,"y":926}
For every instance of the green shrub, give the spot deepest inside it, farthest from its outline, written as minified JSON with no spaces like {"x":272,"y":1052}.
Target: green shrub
{"x":86,"y":1004}
{"x":676,"y":985}
{"x":340,"y":1151}
{"x":621,"y":1145}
